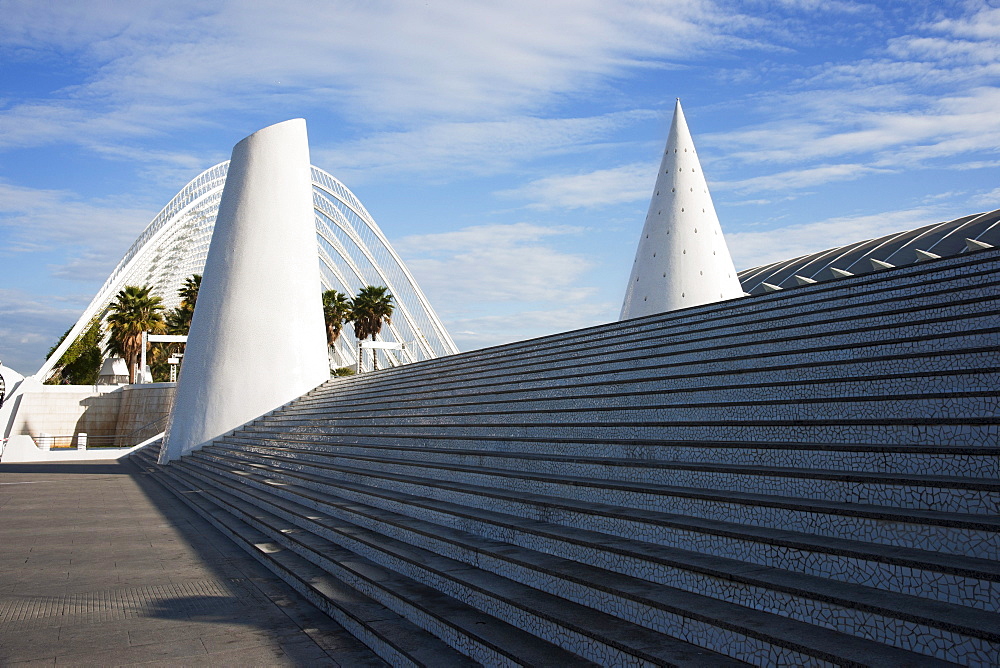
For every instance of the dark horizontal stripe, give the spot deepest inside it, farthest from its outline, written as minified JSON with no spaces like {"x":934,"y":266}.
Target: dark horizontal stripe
{"x":904,"y":479}
{"x":838,"y":447}
{"x":422,"y":399}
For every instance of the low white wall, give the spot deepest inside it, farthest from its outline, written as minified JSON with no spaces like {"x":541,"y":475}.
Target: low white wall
{"x":22,"y":449}
{"x":109,"y":414}
{"x":66,"y":410}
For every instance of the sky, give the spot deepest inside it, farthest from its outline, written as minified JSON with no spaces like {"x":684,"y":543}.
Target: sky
{"x":507,"y":148}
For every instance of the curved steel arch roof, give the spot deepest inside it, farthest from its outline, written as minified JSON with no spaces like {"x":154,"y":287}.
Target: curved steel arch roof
{"x":897,"y":249}
{"x":351,"y":249}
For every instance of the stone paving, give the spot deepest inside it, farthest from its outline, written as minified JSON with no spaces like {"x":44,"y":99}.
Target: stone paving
{"x":99,"y":565}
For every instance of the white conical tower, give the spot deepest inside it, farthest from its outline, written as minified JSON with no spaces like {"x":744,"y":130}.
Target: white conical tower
{"x":257,"y":337}
{"x":682,"y":259}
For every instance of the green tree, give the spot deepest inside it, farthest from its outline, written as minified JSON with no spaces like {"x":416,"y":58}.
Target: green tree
{"x":81,"y":363}
{"x":336,"y":312}
{"x":189,"y":291}
{"x":156,"y":358}
{"x":178,"y":320}
{"x":134,"y":311}
{"x":372,"y":308}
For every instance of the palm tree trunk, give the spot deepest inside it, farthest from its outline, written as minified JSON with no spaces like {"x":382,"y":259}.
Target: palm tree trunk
{"x":132,"y":359}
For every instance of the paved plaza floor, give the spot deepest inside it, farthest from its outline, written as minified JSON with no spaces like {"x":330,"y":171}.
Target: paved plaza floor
{"x":99,"y":565}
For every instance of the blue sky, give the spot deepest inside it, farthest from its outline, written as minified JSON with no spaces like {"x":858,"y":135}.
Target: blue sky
{"x":507,"y":148}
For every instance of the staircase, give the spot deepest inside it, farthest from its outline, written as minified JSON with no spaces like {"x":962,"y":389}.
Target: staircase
{"x":810,"y":477}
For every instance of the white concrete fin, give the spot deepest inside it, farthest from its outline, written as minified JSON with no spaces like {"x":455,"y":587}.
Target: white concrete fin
{"x":803,"y":280}
{"x":770,"y":287}
{"x":974,"y":245}
{"x":880,"y":264}
{"x":257,"y":337}
{"x":924,"y":256}
{"x":840,"y":273}
{"x":682,"y":259}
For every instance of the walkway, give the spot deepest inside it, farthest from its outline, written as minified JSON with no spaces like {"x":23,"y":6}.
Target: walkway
{"x":99,"y":565}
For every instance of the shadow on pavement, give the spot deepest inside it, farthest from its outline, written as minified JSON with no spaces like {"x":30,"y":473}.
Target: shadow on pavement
{"x":92,"y":467}
{"x":145,"y":562}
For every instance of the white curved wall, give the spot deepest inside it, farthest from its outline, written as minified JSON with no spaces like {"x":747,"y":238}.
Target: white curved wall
{"x":257,"y":338}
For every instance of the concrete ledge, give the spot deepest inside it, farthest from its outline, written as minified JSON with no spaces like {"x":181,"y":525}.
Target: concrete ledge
{"x":22,"y":449}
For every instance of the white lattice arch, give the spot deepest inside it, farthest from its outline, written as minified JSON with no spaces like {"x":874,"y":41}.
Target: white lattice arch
{"x":351,"y":250}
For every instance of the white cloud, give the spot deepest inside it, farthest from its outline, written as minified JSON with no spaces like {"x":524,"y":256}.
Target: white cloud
{"x":982,"y":24}
{"x":163,"y":65}
{"x":976,"y":164}
{"x":604,"y":187}
{"x":943,"y":127}
{"x":31,"y":324}
{"x":944,"y":51}
{"x":94,"y":233}
{"x":473,"y":148}
{"x":480,"y":332}
{"x":464,"y":269}
{"x":749,"y":202}
{"x":989,"y":200}
{"x":492,"y":284}
{"x":822,"y":5}
{"x":927,"y":95}
{"x":797,"y":178}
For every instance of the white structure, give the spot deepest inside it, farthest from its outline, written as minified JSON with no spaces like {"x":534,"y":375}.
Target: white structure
{"x":9,"y":379}
{"x":968,"y":234}
{"x":257,"y":338}
{"x":10,"y":389}
{"x":114,"y":371}
{"x":682,"y":259}
{"x":67,"y":422}
{"x":352,"y":253}
{"x":349,"y":249}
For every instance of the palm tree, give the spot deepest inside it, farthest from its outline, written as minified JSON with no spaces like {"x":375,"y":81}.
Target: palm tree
{"x":133,"y":312}
{"x":189,"y":291}
{"x":178,"y":322}
{"x":179,"y":319}
{"x":336,"y":311}
{"x":372,"y":308}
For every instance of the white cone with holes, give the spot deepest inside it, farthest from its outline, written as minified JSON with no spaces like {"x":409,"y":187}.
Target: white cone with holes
{"x":257,"y":340}
{"x":682,"y":259}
